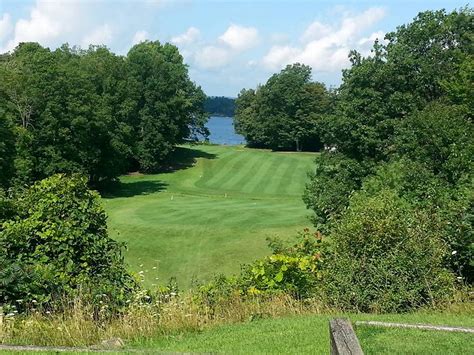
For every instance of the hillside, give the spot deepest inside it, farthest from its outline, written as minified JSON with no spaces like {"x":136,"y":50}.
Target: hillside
{"x":211,"y":213}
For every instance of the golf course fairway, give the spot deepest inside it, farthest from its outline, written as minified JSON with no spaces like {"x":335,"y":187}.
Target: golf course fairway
{"x":209,"y":214}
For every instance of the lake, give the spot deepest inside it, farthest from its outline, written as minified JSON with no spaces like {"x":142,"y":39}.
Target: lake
{"x":222,"y":131}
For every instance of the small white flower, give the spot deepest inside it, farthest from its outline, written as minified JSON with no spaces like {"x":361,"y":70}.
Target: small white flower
{"x":454,"y":252}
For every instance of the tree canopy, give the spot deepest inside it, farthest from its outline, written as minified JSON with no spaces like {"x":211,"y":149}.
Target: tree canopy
{"x":220,"y":106}
{"x":93,"y":112}
{"x":402,"y":123}
{"x":285,"y":113}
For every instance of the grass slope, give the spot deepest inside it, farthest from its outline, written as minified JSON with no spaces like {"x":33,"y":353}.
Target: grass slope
{"x":211,"y":213}
{"x":309,"y":334}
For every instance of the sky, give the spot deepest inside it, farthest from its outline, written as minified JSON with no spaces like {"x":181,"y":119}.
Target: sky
{"x":228,"y":45}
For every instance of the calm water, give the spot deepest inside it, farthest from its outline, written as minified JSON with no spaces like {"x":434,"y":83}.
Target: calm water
{"x":222,"y":131}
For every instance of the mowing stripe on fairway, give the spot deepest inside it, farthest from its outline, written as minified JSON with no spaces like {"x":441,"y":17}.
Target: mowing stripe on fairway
{"x":223,"y":173}
{"x":211,"y":216}
{"x":267,"y":177}
{"x":245,"y":179}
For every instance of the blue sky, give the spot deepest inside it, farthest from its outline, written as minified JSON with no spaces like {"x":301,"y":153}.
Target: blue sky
{"x":228,"y":45}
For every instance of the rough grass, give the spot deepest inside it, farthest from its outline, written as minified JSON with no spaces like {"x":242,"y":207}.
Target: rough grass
{"x":279,"y":324}
{"x":210,"y":213}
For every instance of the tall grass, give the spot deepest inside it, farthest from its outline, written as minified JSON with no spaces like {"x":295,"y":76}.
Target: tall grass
{"x":80,"y":325}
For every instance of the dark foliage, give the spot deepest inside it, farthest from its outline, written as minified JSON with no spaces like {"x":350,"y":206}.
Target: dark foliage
{"x":93,"y":112}
{"x":220,"y":106}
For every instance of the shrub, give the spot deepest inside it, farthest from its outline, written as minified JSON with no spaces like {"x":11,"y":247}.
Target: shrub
{"x":293,"y":269}
{"x":334,"y":179}
{"x":279,"y":272}
{"x":388,"y":257}
{"x":451,"y":205}
{"x":458,"y":231}
{"x":6,"y":206}
{"x":59,"y":240}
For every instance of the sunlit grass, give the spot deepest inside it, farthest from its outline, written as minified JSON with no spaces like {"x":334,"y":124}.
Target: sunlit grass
{"x":309,"y":334}
{"x":211,"y":214}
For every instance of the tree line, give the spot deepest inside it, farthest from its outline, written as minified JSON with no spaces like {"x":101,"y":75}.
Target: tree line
{"x":220,"y":106}
{"x":93,"y":112}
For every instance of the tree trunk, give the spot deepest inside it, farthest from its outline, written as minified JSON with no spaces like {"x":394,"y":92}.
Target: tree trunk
{"x":298,"y":146}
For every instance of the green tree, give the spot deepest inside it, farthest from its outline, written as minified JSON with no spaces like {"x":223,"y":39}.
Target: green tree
{"x":285,"y":112}
{"x":169,"y":106}
{"x":96,"y":113}
{"x":245,"y":119}
{"x":382,"y":95}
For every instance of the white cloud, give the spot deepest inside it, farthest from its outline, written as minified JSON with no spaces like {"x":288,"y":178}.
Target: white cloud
{"x":188,"y":37}
{"x":326,"y":47}
{"x":315,"y":31}
{"x":140,"y":36}
{"x":228,"y":46}
{"x":371,"y":39}
{"x":48,"y":20}
{"x":278,"y":55}
{"x":211,"y":57}
{"x":6,"y":27}
{"x":100,"y":35}
{"x":240,"y":38}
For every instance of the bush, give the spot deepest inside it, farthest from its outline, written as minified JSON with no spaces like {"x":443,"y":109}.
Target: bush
{"x":388,"y":257}
{"x":59,"y":240}
{"x":451,"y":205}
{"x":334,"y":179}
{"x":458,"y":227}
{"x":293,"y":269}
{"x":7,"y":207}
{"x":278,"y":272}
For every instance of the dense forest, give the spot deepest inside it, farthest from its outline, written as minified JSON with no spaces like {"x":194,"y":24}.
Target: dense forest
{"x":220,"y":106}
{"x":93,"y":112}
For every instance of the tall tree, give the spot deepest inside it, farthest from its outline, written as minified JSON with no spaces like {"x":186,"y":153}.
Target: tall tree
{"x":285,"y":112}
{"x":169,"y":104}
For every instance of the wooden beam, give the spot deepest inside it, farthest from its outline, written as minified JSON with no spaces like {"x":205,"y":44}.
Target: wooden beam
{"x":417,"y":326}
{"x":343,"y":338}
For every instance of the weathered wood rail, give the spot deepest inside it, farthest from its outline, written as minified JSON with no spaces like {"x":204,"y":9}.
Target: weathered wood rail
{"x":343,"y":338}
{"x":444,"y":328}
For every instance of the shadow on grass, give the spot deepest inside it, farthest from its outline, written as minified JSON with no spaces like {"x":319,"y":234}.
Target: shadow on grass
{"x":183,"y":158}
{"x":133,"y":188}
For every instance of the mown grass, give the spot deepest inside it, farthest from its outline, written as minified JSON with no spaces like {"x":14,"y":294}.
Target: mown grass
{"x":376,"y":340}
{"x":210,"y":213}
{"x":309,"y":334}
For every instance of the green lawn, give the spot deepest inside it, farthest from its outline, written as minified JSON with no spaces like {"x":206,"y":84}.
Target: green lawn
{"x":310,"y":335}
{"x":211,"y":214}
